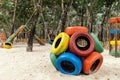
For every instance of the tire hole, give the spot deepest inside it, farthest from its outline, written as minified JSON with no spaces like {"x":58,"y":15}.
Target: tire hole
{"x":82,"y":43}
{"x":94,"y":66}
{"x":57,"y":42}
{"x":67,"y":66}
{"x":8,"y":44}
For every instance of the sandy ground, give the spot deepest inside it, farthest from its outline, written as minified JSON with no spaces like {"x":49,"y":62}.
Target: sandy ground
{"x":17,"y":64}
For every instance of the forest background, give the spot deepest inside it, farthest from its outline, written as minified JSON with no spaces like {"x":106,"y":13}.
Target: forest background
{"x":55,"y":15}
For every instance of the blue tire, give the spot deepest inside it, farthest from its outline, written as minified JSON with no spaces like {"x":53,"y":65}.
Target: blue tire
{"x":112,"y":31}
{"x":118,"y":31}
{"x":50,"y":42}
{"x":68,"y":63}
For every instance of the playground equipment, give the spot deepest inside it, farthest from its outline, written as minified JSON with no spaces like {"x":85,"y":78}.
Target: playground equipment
{"x":114,"y":33}
{"x":8,"y":43}
{"x":2,"y":36}
{"x":76,"y":50}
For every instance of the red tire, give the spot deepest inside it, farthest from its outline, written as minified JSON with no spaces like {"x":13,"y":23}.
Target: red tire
{"x":92,"y":63}
{"x":118,"y":18}
{"x":76,"y":47}
{"x":72,"y":30}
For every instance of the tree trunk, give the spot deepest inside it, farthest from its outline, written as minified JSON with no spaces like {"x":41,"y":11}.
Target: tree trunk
{"x":82,"y":16}
{"x":14,"y":15}
{"x":43,"y":27}
{"x":64,"y":20}
{"x":82,"y":11}
{"x":106,"y":16}
{"x":105,"y":19}
{"x":89,"y":11}
{"x":65,"y":12}
{"x":32,"y":31}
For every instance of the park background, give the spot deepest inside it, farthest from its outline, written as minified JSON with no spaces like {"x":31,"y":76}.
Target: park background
{"x":43,"y":16}
{"x":53,"y":16}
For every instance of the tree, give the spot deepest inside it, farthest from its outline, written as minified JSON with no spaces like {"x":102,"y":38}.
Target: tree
{"x":57,"y":14}
{"x":65,"y":9}
{"x":14,"y":17}
{"x":109,"y":4}
{"x":34,"y":22}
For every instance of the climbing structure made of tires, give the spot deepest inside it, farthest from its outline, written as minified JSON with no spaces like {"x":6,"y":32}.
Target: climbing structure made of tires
{"x":75,"y":51}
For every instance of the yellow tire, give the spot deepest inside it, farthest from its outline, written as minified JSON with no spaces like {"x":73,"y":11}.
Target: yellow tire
{"x":118,"y":42}
{"x":60,"y":43}
{"x":112,"y":43}
{"x":7,"y":45}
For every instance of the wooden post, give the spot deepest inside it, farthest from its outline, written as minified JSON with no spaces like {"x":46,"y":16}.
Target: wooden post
{"x":110,"y":37}
{"x":116,"y":36}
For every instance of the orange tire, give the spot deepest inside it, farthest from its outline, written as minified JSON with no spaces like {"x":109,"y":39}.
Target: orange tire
{"x":114,"y":20}
{"x":72,"y":30}
{"x":92,"y":63}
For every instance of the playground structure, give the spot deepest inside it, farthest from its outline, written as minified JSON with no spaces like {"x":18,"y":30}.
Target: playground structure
{"x":8,"y":43}
{"x":2,"y":36}
{"x":76,"y":46}
{"x":114,"y":40}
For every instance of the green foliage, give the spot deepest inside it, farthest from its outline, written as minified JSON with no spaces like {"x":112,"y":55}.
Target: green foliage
{"x":24,"y":10}
{"x":108,"y":3}
{"x":51,"y":12}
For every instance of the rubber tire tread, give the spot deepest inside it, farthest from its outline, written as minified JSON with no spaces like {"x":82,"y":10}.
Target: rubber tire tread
{"x":98,"y":47}
{"x":7,"y":45}
{"x":73,"y":47}
{"x":53,"y":59}
{"x":63,"y":44}
{"x":75,"y":60}
{"x":113,"y":53}
{"x":73,"y":29}
{"x":90,"y":60}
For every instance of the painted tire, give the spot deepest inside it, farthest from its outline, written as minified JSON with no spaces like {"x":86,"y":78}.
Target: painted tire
{"x":118,"y":42}
{"x":7,"y":45}
{"x":98,"y":46}
{"x":114,"y":20}
{"x":118,"y":31}
{"x":72,"y":30}
{"x":79,"y":49}
{"x":112,"y":31}
{"x":112,"y":42}
{"x":50,"y":42}
{"x":53,"y":59}
{"x":68,"y":63}
{"x":113,"y":53}
{"x":92,"y":63}
{"x":118,"y":18}
{"x":60,"y":43}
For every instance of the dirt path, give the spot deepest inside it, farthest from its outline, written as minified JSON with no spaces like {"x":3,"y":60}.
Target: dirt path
{"x":17,"y":64}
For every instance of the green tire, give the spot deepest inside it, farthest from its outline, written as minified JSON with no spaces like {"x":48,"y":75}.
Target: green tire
{"x":53,"y":59}
{"x":113,"y":53}
{"x":98,"y":47}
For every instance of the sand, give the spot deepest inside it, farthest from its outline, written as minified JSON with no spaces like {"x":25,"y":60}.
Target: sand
{"x":17,"y":64}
